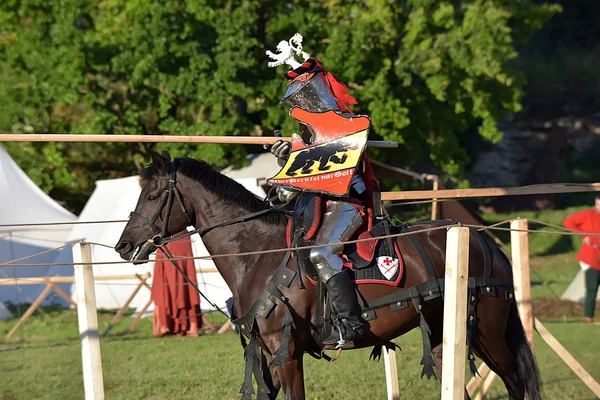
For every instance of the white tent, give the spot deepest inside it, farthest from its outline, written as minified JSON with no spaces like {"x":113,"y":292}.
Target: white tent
{"x":261,"y":167}
{"x":22,"y":202}
{"x":111,"y":200}
{"x":4,"y":312}
{"x":576,"y":289}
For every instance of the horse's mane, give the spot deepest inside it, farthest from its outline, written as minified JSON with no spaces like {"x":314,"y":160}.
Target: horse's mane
{"x":228,"y":190}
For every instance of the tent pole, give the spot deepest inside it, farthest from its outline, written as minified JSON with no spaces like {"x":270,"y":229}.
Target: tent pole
{"x":225,"y":327}
{"x":30,"y":311}
{"x":123,"y":309}
{"x":211,"y":327}
{"x":61,"y":293}
{"x":139,"y":316}
{"x":477,"y":380}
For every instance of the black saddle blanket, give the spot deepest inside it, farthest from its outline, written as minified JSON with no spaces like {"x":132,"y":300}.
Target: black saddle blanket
{"x":375,"y":260}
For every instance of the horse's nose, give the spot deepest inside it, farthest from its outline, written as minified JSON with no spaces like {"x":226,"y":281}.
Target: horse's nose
{"x":124,"y":247}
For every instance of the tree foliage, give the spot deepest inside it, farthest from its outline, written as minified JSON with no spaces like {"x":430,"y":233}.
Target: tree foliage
{"x":423,"y":70}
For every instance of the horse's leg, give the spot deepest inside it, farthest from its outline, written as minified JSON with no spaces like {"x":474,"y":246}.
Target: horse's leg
{"x":437,"y":357}
{"x":271,"y":380}
{"x":491,"y":346}
{"x":291,"y":376}
{"x":436,"y":343}
{"x":288,"y":376}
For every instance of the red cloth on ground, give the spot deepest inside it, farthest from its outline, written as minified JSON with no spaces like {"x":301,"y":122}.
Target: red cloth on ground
{"x":587,"y":221}
{"x":176,"y":302}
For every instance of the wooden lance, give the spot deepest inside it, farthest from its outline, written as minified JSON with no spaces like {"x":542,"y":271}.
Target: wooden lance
{"x":259,"y":140}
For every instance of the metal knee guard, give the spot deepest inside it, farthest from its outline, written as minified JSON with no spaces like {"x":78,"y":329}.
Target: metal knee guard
{"x":340,"y":221}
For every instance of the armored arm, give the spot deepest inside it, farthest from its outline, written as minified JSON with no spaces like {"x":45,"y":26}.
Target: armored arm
{"x":281,"y":150}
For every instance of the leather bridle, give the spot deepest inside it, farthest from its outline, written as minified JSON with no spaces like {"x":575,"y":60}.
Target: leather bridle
{"x":166,"y":200}
{"x":161,"y":237}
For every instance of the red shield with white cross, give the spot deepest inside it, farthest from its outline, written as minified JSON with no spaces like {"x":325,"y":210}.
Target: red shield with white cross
{"x":388,"y":266}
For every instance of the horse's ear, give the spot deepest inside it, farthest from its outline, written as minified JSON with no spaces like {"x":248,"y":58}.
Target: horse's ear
{"x":166,"y":155}
{"x":159,"y":161}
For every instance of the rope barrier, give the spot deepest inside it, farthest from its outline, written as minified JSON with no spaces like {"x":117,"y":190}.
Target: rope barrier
{"x":495,"y":226}
{"x":62,"y":223}
{"x":535,"y":221}
{"x":108,"y":246}
{"x":10,"y":263}
{"x":408,"y":203}
{"x":244,"y":254}
{"x":159,"y":284}
{"x":571,"y":233}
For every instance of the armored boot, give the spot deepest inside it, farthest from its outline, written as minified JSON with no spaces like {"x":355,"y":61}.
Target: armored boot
{"x":340,"y":221}
{"x":343,"y":297}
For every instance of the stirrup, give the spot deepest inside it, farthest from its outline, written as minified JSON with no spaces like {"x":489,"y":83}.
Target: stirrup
{"x":340,"y":342}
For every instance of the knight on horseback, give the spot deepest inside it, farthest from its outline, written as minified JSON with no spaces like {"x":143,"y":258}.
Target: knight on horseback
{"x":312,"y":88}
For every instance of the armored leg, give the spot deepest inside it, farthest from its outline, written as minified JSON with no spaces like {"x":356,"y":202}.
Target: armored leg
{"x":340,"y":221}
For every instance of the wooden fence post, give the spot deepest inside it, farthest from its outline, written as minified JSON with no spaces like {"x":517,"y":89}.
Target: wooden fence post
{"x":93,"y":381}
{"x":391,"y":373}
{"x":520,"y":262}
{"x":434,"y":203}
{"x":455,"y":313}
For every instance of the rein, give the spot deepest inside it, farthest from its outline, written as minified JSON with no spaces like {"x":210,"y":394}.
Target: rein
{"x":167,"y":199}
{"x":160,"y":239}
{"x":205,"y":230}
{"x":172,"y":193}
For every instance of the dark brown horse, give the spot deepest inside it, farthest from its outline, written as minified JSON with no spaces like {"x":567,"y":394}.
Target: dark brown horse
{"x":190,"y":192}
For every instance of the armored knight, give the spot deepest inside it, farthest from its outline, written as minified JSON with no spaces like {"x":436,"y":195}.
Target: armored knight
{"x":314,"y":89}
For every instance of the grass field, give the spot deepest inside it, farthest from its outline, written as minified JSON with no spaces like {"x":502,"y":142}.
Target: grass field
{"x":47,"y":365}
{"x":43,"y":360}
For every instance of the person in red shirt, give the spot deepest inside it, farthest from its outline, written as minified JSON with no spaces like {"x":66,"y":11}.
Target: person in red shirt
{"x":588,"y":221}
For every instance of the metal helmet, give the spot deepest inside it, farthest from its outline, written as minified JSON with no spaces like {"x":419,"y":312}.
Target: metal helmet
{"x":310,"y":94}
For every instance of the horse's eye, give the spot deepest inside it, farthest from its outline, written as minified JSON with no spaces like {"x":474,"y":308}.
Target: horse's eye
{"x":152,"y":198}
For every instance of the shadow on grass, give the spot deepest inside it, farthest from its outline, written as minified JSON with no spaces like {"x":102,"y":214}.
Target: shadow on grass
{"x":564,"y":244}
{"x":17,"y":309}
{"x":47,"y":346}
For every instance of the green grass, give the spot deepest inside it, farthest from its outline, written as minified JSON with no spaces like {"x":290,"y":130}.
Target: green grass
{"x":139,"y":366}
{"x":43,"y":360}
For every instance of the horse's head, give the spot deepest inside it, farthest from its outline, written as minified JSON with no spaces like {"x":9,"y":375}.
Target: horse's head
{"x":159,"y":213}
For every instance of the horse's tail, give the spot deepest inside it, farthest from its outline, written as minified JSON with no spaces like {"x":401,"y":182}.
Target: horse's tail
{"x":527,"y":370}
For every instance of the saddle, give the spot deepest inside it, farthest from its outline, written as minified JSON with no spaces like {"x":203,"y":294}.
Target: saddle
{"x":375,"y":259}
